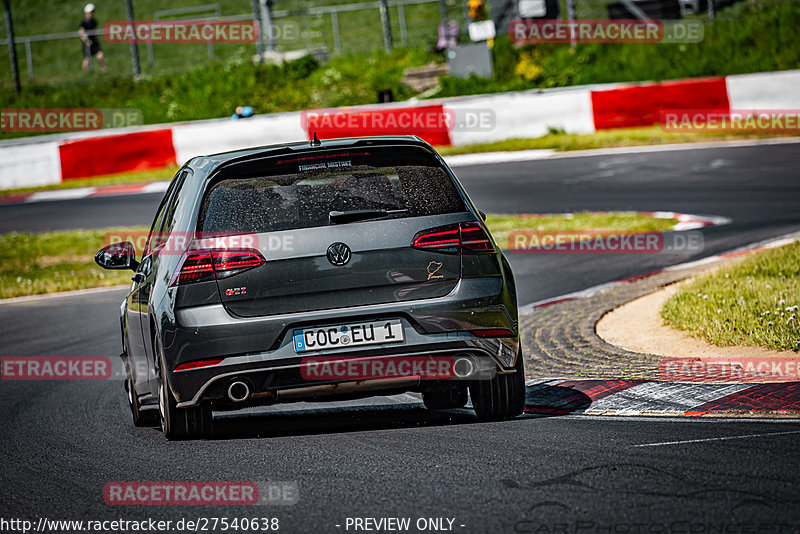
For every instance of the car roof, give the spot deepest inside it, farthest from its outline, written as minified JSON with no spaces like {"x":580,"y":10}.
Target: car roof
{"x":213,"y":161}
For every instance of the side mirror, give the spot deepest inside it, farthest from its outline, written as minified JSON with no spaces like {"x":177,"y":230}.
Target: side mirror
{"x":117,"y":256}
{"x":483,"y":215}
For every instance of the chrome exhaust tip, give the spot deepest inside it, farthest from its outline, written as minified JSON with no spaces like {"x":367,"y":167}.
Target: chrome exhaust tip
{"x":238,"y":391}
{"x":463,"y":367}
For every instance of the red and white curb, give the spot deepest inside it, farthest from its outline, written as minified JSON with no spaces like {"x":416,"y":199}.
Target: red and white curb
{"x":594,"y":290}
{"x":455,"y":161}
{"x":522,"y":114}
{"x":643,"y":398}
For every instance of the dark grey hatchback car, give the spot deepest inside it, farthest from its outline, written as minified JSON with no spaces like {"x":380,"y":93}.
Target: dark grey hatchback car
{"x":316,"y":271}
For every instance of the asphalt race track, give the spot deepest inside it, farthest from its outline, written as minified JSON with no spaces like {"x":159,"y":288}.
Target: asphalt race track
{"x":389,"y":457}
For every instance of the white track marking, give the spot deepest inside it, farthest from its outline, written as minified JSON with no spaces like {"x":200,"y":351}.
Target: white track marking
{"x":462,"y":160}
{"x":485,"y":158}
{"x":662,"y":398}
{"x":774,"y":242}
{"x":725,"y":438}
{"x":62,"y":294}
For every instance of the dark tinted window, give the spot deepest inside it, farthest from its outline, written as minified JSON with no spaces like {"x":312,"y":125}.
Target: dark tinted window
{"x":165,"y":219}
{"x":300,"y":192}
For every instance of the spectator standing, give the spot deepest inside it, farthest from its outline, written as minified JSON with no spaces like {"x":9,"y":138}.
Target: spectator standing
{"x":90,"y":41}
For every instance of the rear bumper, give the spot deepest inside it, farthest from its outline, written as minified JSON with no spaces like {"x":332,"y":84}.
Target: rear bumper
{"x":272,"y":381}
{"x":262,"y":350}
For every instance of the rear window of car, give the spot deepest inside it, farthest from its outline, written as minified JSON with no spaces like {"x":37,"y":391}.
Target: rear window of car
{"x":291,"y":192}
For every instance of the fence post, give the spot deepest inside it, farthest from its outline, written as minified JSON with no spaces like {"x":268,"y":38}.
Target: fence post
{"x":259,"y":44}
{"x":401,"y":15}
{"x":266,"y":25}
{"x":387,"y":29}
{"x":711,"y":11}
{"x":151,"y":58}
{"x":467,"y":20}
{"x":137,"y":71}
{"x":12,"y":47}
{"x":29,"y":58}
{"x":570,"y":18}
{"x":337,"y":40}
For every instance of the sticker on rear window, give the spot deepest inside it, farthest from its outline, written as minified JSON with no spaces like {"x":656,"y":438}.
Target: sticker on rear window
{"x":326,"y":165}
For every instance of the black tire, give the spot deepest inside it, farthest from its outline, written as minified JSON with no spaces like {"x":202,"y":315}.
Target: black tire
{"x":447,"y":399}
{"x":181,"y":423}
{"x":503,"y":396}
{"x":140,"y":417}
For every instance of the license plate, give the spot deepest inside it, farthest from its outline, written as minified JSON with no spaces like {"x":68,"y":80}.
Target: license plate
{"x":350,"y":335}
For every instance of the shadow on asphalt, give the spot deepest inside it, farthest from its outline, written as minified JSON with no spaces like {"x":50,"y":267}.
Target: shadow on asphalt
{"x":334,"y":420}
{"x":545,"y":400}
{"x":541,"y":401}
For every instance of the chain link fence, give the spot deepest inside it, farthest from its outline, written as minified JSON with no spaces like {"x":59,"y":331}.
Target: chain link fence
{"x":323,"y":27}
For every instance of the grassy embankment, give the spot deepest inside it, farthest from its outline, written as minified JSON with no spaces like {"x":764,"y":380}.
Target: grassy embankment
{"x":32,"y":264}
{"x":752,"y":302}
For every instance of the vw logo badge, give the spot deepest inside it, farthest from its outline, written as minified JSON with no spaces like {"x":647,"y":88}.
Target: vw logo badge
{"x":339,"y":254}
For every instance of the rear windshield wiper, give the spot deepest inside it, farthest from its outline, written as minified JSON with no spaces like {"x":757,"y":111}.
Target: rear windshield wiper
{"x":342,"y":217}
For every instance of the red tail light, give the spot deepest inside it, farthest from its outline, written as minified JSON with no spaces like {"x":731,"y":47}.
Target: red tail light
{"x":493,"y":332}
{"x":228,"y":262}
{"x":446,"y":237}
{"x":198,"y":364}
{"x":197,"y":267}
{"x":463,"y":238}
{"x":474,"y":239}
{"x":203,"y":265}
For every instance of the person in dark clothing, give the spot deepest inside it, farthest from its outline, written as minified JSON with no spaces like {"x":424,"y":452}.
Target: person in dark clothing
{"x":90,"y":41}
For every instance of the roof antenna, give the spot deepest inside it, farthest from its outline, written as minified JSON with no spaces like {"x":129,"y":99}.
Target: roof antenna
{"x":315,"y":141}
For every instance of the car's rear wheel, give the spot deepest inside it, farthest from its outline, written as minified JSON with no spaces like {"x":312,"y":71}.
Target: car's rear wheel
{"x":445,"y":399}
{"x":181,"y":423}
{"x":140,"y":417}
{"x":501,"y":397}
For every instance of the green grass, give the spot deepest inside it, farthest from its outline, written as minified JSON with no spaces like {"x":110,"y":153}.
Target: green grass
{"x":753,"y":302}
{"x":136,"y":177}
{"x":502,"y":225}
{"x":59,"y":61}
{"x":32,"y":264}
{"x":216,"y":90}
{"x":603,"y":139}
{"x":748,"y":37}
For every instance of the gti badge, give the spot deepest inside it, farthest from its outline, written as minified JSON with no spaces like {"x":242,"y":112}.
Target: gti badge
{"x":338,"y":253}
{"x":236,"y":291}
